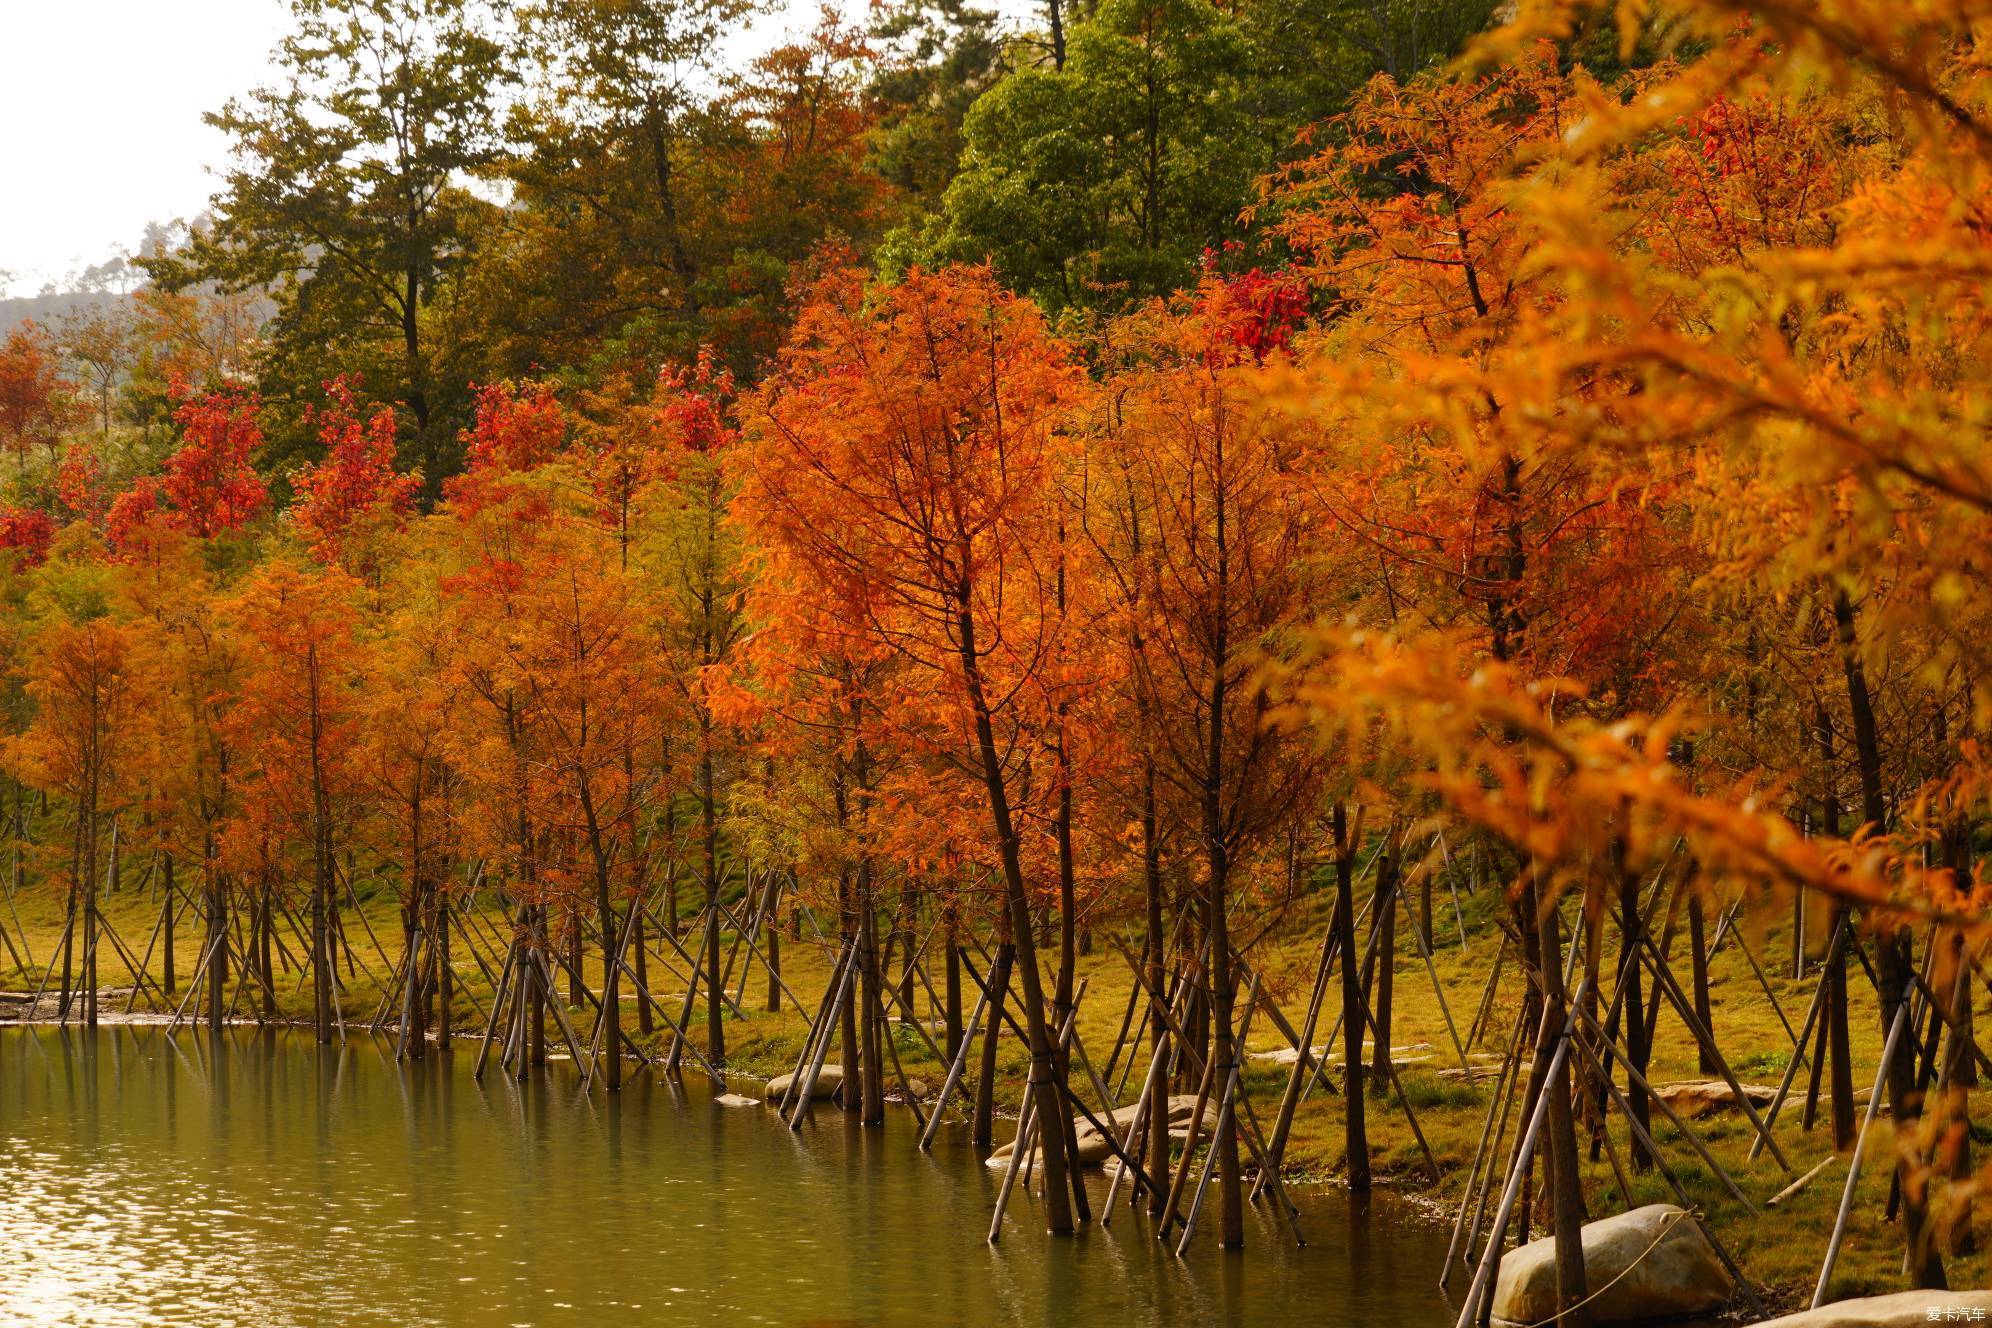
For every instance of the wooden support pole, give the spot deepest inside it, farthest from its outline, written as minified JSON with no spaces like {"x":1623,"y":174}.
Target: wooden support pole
{"x":1895,"y":1028}
{"x":1483,"y":1275}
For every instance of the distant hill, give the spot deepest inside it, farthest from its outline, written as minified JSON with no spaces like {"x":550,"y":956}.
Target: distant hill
{"x":51,"y":306}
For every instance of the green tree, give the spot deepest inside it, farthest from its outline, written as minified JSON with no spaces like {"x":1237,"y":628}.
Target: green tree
{"x":347,"y":198}
{"x":1103,"y":181}
{"x":626,"y":104}
{"x":935,"y":57}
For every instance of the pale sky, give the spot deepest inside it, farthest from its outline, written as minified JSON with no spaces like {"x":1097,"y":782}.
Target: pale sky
{"x":100,"y":118}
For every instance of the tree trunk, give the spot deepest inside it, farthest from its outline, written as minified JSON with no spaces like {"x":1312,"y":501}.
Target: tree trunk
{"x":1044,"y":1082}
{"x":1638,"y":1048}
{"x":217,"y":933}
{"x":1840,"y":1086}
{"x":445,"y":978}
{"x":1543,"y":947}
{"x":951,"y":1013}
{"x":1698,"y":950}
{"x":1386,"y":958}
{"x":1355,"y":1133}
{"x":1157,"y":1137}
{"x":262,"y":954}
{"x":1894,"y":965}
{"x":871,"y":1085}
{"x":771,"y":940}
{"x":167,"y":973}
{"x":998,"y":979}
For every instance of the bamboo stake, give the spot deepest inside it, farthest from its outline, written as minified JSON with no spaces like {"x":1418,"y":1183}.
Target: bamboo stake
{"x":956,"y":1069}
{"x":1663,"y":975}
{"x":1854,"y":1163}
{"x":1025,"y":1142}
{"x":1438,"y":990}
{"x":1811,"y":1019}
{"x":817,"y":1027}
{"x":1142,"y":1103}
{"x":1481,"y":1152}
{"x":806,"y":1090}
{"x":1483,"y":1275}
{"x":1693,"y":1139}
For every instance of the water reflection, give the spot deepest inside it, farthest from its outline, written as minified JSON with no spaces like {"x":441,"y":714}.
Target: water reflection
{"x":262,"y":1180}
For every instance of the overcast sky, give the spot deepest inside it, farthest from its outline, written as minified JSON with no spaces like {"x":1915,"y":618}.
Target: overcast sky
{"x":100,"y":118}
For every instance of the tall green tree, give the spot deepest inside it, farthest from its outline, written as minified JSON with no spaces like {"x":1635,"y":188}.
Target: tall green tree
{"x":617,"y":124}
{"x":935,"y":57}
{"x":347,"y":197}
{"x":1104,"y":180}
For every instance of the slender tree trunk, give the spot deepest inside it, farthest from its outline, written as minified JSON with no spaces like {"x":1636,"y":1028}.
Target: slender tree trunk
{"x":1045,"y":1084}
{"x":445,"y":977}
{"x":850,"y":1095}
{"x":1355,"y":1131}
{"x":985,"y":1084}
{"x":1386,"y":959}
{"x":167,"y":973}
{"x":1958,"y":1075}
{"x":1068,"y":952}
{"x":771,"y":939}
{"x":1840,"y":1087}
{"x":1157,"y":1137}
{"x":715,"y":982}
{"x":1894,"y":967}
{"x":90,"y":907}
{"x":1638,"y":1047}
{"x":262,"y":956}
{"x":1698,"y":949}
{"x":217,"y":932}
{"x":599,"y":853}
{"x":951,"y":1013}
{"x":871,"y":1085}
{"x":1566,"y":1183}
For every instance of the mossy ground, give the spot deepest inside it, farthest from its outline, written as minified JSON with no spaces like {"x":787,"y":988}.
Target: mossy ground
{"x":1779,"y":1248}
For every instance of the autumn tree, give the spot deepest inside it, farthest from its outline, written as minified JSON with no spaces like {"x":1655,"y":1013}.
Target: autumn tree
{"x":907,"y":444}
{"x":81,"y":679}
{"x":297,"y":723}
{"x":350,"y":502}
{"x":34,"y":395}
{"x":1212,"y":541}
{"x":692,"y":415}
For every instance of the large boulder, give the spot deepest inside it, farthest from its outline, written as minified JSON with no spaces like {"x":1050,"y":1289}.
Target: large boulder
{"x":1904,"y":1309}
{"x":828,"y":1081}
{"x":1673,"y":1271}
{"x":1093,"y":1147}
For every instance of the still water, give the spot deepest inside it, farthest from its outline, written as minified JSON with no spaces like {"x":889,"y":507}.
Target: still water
{"x":270,"y":1182}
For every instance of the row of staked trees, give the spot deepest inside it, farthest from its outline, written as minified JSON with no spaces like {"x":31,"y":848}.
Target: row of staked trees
{"x":1589,"y":466}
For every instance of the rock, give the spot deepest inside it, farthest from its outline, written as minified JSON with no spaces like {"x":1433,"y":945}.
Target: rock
{"x":917,"y":1088}
{"x":1287,"y":1055}
{"x":1901,"y":1310}
{"x":827,"y":1083}
{"x":1094,"y":1148}
{"x":1694,"y":1098}
{"x":1677,"y":1277}
{"x":736,"y":1100}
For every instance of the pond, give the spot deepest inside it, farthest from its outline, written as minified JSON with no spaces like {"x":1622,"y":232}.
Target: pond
{"x":147,"y":1180}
